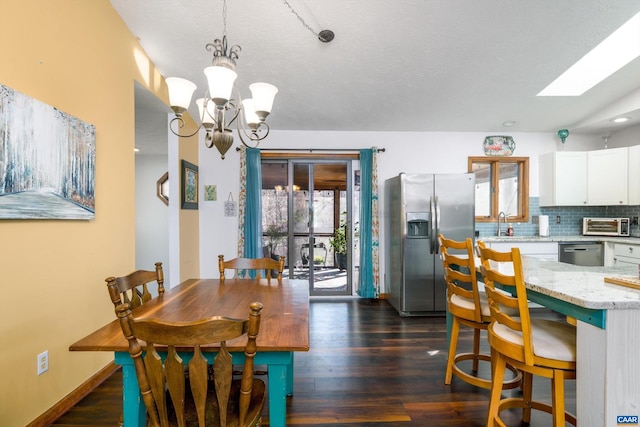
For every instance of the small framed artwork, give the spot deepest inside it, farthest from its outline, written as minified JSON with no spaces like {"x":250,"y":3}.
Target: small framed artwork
{"x":189,"y":187}
{"x":210,"y":193}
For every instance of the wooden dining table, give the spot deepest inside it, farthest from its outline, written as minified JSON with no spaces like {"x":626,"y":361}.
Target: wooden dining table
{"x":284,"y":329}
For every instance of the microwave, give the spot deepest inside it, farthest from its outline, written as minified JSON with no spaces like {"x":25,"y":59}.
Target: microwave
{"x":605,"y":226}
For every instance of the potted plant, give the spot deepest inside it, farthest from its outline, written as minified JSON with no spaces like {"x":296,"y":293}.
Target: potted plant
{"x":339,"y":244}
{"x":276,"y":234}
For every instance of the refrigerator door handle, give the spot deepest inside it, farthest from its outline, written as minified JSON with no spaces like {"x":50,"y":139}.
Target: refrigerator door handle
{"x":433,"y":237}
{"x":436,"y":247}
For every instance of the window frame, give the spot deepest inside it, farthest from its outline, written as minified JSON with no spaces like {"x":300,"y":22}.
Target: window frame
{"x":523,"y":186}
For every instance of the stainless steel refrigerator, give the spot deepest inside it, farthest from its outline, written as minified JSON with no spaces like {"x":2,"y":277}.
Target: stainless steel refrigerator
{"x":417,"y":208}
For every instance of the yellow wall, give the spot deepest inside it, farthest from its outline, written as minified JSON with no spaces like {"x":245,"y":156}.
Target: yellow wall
{"x":79,"y":57}
{"x":189,"y":222}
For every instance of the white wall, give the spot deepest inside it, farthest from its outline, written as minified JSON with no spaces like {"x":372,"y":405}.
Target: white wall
{"x":426,"y":152}
{"x":624,"y":138}
{"x":152,"y":215}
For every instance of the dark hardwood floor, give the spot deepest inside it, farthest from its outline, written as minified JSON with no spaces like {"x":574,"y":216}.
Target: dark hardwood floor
{"x":367,"y":367}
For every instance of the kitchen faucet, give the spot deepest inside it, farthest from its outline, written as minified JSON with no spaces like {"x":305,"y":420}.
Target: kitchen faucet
{"x":504,"y":216}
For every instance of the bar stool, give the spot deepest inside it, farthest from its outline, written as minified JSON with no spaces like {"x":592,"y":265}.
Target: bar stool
{"x":542,"y":347}
{"x":468,"y":306}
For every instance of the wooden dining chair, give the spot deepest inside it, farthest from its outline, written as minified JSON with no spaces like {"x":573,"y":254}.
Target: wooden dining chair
{"x":256,"y":264}
{"x":133,"y":288}
{"x":535,"y":346}
{"x":173,"y":399}
{"x":467,"y":305}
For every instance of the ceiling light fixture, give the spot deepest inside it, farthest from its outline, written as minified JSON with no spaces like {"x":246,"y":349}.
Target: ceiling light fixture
{"x":621,"y":119}
{"x":508,"y":123}
{"x":222,"y":104}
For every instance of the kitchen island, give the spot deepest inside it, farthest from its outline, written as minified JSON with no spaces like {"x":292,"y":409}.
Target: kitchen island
{"x":608,"y":334}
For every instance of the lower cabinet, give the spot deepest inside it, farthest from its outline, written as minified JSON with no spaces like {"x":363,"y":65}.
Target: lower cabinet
{"x":542,"y":250}
{"x":626,"y":254}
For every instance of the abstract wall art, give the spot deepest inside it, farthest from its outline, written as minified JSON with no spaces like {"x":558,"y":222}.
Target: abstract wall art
{"x":47,"y":161}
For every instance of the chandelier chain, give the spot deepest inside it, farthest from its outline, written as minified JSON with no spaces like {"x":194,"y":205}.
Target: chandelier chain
{"x":304,"y":24}
{"x":224,"y":18}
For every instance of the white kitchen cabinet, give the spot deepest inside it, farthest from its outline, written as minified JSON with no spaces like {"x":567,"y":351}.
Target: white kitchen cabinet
{"x":608,"y":177}
{"x":563,"y":178}
{"x":626,"y":254}
{"x":543,"y":250}
{"x":634,"y":175}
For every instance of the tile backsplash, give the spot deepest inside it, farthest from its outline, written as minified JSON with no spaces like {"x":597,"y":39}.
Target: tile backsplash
{"x":570,"y":219}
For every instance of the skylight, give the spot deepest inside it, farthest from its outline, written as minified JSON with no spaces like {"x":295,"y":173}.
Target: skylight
{"x":613,"y":53}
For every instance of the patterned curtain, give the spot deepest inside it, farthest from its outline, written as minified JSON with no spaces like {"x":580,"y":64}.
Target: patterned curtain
{"x":375,"y":226}
{"x":369,"y":286}
{"x":242,"y":200}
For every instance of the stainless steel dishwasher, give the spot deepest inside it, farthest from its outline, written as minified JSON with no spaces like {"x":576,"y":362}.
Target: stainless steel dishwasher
{"x":581,"y":253}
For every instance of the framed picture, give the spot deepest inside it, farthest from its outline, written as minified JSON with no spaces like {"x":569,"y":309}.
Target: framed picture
{"x":210,"y":193}
{"x":189,"y":187}
{"x":47,"y":161}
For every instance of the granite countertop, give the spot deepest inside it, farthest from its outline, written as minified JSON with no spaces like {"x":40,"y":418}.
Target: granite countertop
{"x":579,"y":285}
{"x":574,"y":238}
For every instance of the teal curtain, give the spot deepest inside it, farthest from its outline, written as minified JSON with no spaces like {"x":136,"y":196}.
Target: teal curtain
{"x":253,"y":212}
{"x":366,"y":286}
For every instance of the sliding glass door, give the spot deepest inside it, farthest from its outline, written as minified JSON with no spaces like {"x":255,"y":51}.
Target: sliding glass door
{"x":306,"y":217}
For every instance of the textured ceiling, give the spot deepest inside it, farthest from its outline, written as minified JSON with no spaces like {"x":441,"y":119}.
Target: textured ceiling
{"x":406,"y":65}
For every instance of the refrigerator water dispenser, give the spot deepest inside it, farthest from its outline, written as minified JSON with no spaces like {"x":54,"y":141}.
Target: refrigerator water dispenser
{"x":417,"y":225}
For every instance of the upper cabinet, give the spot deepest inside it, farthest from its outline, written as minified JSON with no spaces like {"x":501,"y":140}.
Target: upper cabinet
{"x":608,"y":177}
{"x":587,"y":178}
{"x":563,"y":178}
{"x":634,"y":175}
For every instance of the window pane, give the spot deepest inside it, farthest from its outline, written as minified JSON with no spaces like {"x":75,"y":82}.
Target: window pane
{"x":501,"y":186}
{"x":323,"y":208}
{"x":301,"y":198}
{"x":274,"y":207}
{"x":483,"y":188}
{"x":508,"y":189}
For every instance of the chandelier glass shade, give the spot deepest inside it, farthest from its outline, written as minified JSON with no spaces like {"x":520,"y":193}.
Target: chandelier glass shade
{"x":222,"y":105}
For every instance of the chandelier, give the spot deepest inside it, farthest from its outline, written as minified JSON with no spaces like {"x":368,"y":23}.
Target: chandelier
{"x":222,"y":105}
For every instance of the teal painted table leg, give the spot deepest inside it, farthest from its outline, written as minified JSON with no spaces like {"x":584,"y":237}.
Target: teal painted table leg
{"x":134,"y":412}
{"x":290,"y":377}
{"x":277,"y":395}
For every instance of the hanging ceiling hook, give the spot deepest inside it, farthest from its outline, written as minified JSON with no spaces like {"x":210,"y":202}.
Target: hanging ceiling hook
{"x":324,"y":36}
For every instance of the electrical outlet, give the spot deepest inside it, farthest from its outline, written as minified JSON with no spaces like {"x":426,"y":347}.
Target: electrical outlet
{"x":634,"y":221}
{"x":557,"y":219}
{"x":43,"y":362}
